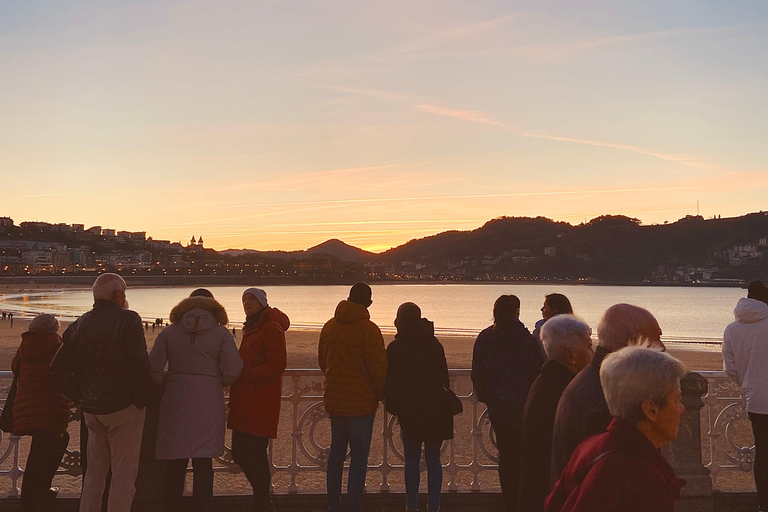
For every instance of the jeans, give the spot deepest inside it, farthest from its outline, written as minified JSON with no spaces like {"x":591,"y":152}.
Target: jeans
{"x":355,"y":432}
{"x":44,"y":458}
{"x":114,"y":441}
{"x":412,"y":475}
{"x":250,"y":453}
{"x":509,"y":442}
{"x":760,"y":431}
{"x":202,"y":484}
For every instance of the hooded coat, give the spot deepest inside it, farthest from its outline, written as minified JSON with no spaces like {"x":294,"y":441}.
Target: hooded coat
{"x":202,"y":359}
{"x":416,"y":375}
{"x":38,"y":406}
{"x":745,"y":352}
{"x":255,"y":399}
{"x":352,"y":356}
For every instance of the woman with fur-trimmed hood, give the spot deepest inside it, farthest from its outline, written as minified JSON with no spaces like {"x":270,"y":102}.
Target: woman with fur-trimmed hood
{"x":201,"y":359}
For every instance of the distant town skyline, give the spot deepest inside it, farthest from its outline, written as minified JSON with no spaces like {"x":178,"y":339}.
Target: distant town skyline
{"x":276,"y":126}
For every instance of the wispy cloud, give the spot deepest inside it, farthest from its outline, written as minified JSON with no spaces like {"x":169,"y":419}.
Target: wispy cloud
{"x":30,"y":196}
{"x":475,"y":116}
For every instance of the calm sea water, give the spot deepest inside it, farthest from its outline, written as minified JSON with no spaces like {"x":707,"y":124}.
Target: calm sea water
{"x":686,"y":314}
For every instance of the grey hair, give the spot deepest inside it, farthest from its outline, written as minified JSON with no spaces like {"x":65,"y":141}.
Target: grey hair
{"x":624,"y":324}
{"x":563,"y":332}
{"x":106,"y":285}
{"x":634,"y":375}
{"x":44,"y":323}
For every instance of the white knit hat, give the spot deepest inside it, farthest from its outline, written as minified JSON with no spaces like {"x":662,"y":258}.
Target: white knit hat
{"x":260,"y":295}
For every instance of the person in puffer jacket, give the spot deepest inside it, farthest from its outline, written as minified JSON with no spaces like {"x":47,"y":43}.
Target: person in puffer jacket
{"x":352,"y":356}
{"x":745,"y":357}
{"x":39,"y":410}
{"x":255,"y":399}
{"x":202,"y":359}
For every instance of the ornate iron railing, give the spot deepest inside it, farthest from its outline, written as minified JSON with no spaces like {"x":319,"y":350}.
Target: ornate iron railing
{"x":466,"y":458}
{"x":728,"y":442}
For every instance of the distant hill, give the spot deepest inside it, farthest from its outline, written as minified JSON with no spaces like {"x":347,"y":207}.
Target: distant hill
{"x":334,"y":248}
{"x":338,"y":249}
{"x":607,"y":247}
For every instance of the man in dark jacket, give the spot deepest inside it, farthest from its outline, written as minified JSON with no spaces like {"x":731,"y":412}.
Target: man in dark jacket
{"x":582,"y":411}
{"x":103,"y":360}
{"x":505,"y":361}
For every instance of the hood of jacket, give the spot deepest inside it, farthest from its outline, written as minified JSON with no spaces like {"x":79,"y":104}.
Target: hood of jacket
{"x":217,"y":311}
{"x":36,"y":346}
{"x":749,"y":311}
{"x":271,"y":314}
{"x":349,"y":312}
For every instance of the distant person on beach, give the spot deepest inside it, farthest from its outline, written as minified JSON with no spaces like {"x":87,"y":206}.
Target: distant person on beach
{"x":39,"y":410}
{"x":202,"y":359}
{"x":352,"y":356}
{"x":745,"y":357}
{"x":417,"y":374}
{"x":505,"y":361}
{"x":568,"y":344}
{"x":582,"y":411}
{"x":554,"y":304}
{"x":104,"y":360}
{"x":4,"y":315}
{"x":10,"y":317}
{"x":255,"y":399}
{"x":623,"y":468}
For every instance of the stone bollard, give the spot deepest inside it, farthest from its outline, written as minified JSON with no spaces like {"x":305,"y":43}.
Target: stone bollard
{"x":684,"y":454}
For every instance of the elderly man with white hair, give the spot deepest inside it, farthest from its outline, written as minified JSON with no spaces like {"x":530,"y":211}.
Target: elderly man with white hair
{"x":622,"y":470}
{"x":568,"y":344}
{"x":582,"y":411}
{"x":104,"y":362}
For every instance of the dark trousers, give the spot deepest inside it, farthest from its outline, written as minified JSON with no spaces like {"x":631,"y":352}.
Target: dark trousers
{"x":760,"y":431}
{"x":44,"y":458}
{"x":508,"y":440}
{"x":202,"y":486}
{"x":250,"y":453}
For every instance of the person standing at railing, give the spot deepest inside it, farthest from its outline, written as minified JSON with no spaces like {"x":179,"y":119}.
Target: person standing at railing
{"x":568,"y":343}
{"x":623,"y":469}
{"x":505,"y":361}
{"x":417,"y":375}
{"x":39,"y":410}
{"x":554,"y":304}
{"x":202,"y":359}
{"x":255,"y":399}
{"x":104,"y":360}
{"x":352,"y":356}
{"x":745,"y":357}
{"x":582,"y":411}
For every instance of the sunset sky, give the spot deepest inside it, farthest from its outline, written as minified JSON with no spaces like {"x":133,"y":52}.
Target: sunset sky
{"x":280,"y":124}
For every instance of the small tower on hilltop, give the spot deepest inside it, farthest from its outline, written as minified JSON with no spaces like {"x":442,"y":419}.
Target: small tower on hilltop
{"x":192,"y":242}
{"x":200,"y":242}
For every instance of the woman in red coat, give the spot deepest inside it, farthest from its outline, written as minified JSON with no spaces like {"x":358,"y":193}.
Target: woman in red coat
{"x":622,"y":470}
{"x":255,"y":399}
{"x":39,"y":410}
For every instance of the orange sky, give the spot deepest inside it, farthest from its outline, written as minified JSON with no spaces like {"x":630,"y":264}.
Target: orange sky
{"x":279,"y":126}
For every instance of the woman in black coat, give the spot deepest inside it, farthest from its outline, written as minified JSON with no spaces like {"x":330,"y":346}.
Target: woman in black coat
{"x":414,"y":392}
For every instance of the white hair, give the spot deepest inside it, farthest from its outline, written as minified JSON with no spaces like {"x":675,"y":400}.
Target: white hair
{"x":624,"y":324}
{"x":634,"y":375}
{"x":564,"y":332}
{"x":106,"y":285}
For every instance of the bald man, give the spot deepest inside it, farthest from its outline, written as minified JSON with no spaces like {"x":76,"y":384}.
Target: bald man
{"x":582,"y":411}
{"x":103,"y":364}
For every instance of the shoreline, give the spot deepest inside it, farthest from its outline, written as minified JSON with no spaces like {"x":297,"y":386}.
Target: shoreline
{"x":302,"y":348}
